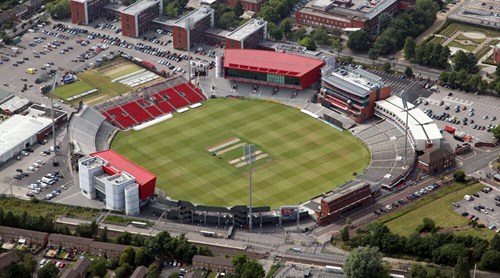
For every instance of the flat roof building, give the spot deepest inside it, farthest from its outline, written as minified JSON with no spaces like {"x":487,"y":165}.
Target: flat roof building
{"x":421,"y":128}
{"x":271,"y":68}
{"x":86,"y":11}
{"x":248,"y":35}
{"x":199,"y":21}
{"x":352,"y":92}
{"x":123,"y":185}
{"x":138,"y":17}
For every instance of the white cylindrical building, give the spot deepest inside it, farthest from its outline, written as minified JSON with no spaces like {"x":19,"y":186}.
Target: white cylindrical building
{"x":219,"y":66}
{"x":132,"y":199}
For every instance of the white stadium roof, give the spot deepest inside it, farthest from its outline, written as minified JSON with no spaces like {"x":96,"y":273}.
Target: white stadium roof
{"x":19,"y":128}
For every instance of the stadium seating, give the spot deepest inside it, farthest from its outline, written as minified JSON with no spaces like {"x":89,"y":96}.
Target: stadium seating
{"x":118,"y":115}
{"x":137,"y":112}
{"x":174,"y":99}
{"x":188,"y":93}
{"x":89,"y":131}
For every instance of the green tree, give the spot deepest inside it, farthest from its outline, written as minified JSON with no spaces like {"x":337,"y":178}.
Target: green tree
{"x":154,"y":271}
{"x":128,"y":256}
{"x":464,"y":61}
{"x":124,"y":238}
{"x":274,"y":31}
{"x":320,"y":36}
{"x":409,"y":48}
{"x":387,"y":67}
{"x":359,"y":40}
{"x":449,"y":253}
{"x":104,"y":234}
{"x":459,"y":175}
{"x":48,"y":271}
{"x":365,"y":262}
{"x":427,"y":225}
{"x":489,"y":261}
{"x":238,"y":261}
{"x":408,"y":72}
{"x":16,"y":270}
{"x":286,"y":25}
{"x":299,"y":34}
{"x":228,"y":20}
{"x":495,"y":241}
{"x":308,"y":43}
{"x":337,"y":46}
{"x":204,"y":251}
{"x":59,"y":9}
{"x":373,"y":54}
{"x":123,"y":271}
{"x":141,"y":258}
{"x":171,"y":10}
{"x":344,"y":233}
{"x":238,"y":9}
{"x":98,"y":268}
{"x":461,"y":268}
{"x":384,"y":21}
{"x":418,"y":271}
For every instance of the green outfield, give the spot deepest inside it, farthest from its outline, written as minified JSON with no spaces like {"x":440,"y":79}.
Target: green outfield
{"x":197,"y":154}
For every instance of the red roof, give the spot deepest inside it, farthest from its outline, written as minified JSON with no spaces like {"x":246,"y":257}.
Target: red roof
{"x":119,"y":162}
{"x":269,"y":61}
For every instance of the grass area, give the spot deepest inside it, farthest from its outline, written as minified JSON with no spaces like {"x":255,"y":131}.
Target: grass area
{"x":437,"y":40}
{"x":452,"y":28}
{"x":122,"y":220}
{"x":130,"y":68}
{"x":94,"y":79}
{"x":273,"y":270}
{"x":457,"y":44}
{"x":489,"y":60}
{"x":494,"y":42}
{"x":437,"y":207}
{"x":463,"y":37}
{"x":306,"y":157}
{"x":483,"y":51}
{"x":18,"y":206}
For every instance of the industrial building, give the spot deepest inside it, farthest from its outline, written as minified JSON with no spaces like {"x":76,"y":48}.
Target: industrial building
{"x":422,"y":130}
{"x":21,"y":131}
{"x":199,"y":21}
{"x":271,"y":68}
{"x":345,"y":15}
{"x":352,"y":92}
{"x":247,"y":36}
{"x":138,"y":17}
{"x":123,"y":185}
{"x":86,"y":11}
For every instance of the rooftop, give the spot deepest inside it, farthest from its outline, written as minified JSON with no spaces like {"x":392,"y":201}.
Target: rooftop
{"x":194,"y":16}
{"x":37,"y":110}
{"x":140,"y":6}
{"x":18,"y":129}
{"x":14,"y":104}
{"x":139,"y":272}
{"x":342,"y":192}
{"x":359,"y":8}
{"x":23,"y":233}
{"x":119,"y":162}
{"x":355,"y":81}
{"x":270,"y":62}
{"x":247,"y":29}
{"x":434,"y":154}
{"x":212,"y":260}
{"x":5,"y":95}
{"x":7,"y":258}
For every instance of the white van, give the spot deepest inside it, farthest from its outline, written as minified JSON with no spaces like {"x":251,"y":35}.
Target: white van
{"x":31,"y":168}
{"x":468,"y":198}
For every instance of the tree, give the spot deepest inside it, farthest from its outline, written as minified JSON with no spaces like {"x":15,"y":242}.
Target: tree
{"x":128,"y":256}
{"x":154,"y":271}
{"x":337,"y":46}
{"x":384,"y":21}
{"x":344,"y":233}
{"x":59,"y":9}
{"x":359,"y":40}
{"x":495,"y":243}
{"x":98,"y":268}
{"x":364,"y":262}
{"x":123,"y":271}
{"x":428,"y":225}
{"x":449,"y":253}
{"x":104,"y":234}
{"x":141,"y":258}
{"x":459,"y":175}
{"x":308,"y":43}
{"x":238,"y":9}
{"x":373,"y":54}
{"x":497,"y":72}
{"x":409,"y":48}
{"x":461,"y":268}
{"x":204,"y":251}
{"x":408,"y":72}
{"x":320,"y":36}
{"x":387,"y":67}
{"x":464,"y":61}
{"x":48,"y":271}
{"x":489,"y":260}
{"x":124,"y":238}
{"x":274,"y":31}
{"x":286,"y":25}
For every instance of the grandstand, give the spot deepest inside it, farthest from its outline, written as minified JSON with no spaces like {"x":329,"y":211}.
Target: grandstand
{"x":386,"y":143}
{"x":155,"y":101}
{"x":89,"y":131}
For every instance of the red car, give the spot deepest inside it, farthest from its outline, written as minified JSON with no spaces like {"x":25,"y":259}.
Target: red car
{"x":62,"y":265}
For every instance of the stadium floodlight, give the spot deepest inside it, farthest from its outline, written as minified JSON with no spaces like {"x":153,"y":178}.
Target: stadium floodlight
{"x":188,"y":35}
{"x":52,"y":112}
{"x":404,"y":98}
{"x":249,"y":155}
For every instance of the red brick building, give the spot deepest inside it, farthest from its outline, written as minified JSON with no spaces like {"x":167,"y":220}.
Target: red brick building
{"x":247,"y":36}
{"x":333,"y":206}
{"x":496,"y":54}
{"x":352,"y":92}
{"x":435,"y":161}
{"x":138,"y":17}
{"x":200,"y":20}
{"x":248,"y":5}
{"x":85,"y":11}
{"x":341,"y":16}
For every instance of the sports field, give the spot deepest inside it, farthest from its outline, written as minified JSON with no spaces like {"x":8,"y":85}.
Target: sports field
{"x":197,"y":154}
{"x":99,"y":78}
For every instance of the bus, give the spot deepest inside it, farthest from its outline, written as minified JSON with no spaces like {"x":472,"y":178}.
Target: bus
{"x":392,"y":275}
{"x":207,"y":233}
{"x":333,"y":269}
{"x":139,"y":224}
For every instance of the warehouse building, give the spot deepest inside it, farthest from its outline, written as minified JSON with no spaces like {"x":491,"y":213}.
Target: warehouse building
{"x":120,"y":183}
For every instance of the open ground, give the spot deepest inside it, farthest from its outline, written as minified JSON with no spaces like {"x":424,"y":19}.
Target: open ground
{"x":438,"y":207}
{"x":305,"y":156}
{"x":99,"y":78}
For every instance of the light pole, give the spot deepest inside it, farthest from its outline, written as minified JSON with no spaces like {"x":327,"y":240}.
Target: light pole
{"x":249,"y":154}
{"x":52,"y":113}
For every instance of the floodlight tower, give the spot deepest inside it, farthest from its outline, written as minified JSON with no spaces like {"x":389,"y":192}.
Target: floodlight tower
{"x":188,"y":39}
{"x":404,"y":98}
{"x":249,"y":154}
{"x":52,"y":112}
